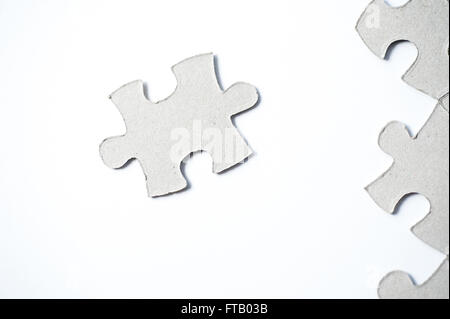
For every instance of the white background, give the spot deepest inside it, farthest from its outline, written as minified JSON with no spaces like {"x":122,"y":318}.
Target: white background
{"x":293,"y":222}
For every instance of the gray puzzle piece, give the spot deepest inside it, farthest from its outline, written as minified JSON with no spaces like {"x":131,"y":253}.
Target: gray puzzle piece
{"x":398,"y":285}
{"x":196,"y":117}
{"x":421,"y":166}
{"x":422,"y":22}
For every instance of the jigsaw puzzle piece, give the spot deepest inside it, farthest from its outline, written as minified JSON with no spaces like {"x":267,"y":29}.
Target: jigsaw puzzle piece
{"x":398,"y":285}
{"x":196,"y":117}
{"x":421,"y":166}
{"x":425,"y":23}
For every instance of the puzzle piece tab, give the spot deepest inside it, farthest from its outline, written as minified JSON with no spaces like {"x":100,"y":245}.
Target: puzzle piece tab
{"x":421,"y":166}
{"x":425,"y":23}
{"x":398,"y":285}
{"x":196,"y":117}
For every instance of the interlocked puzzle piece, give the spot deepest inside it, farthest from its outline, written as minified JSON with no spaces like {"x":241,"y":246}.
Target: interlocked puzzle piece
{"x":398,"y":285}
{"x":196,"y":117}
{"x":421,"y":166}
{"x":422,"y":22}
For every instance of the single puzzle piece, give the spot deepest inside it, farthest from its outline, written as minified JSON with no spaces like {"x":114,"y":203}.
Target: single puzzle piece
{"x":196,"y":117}
{"x":425,"y":23}
{"x":398,"y":285}
{"x":421,"y":166}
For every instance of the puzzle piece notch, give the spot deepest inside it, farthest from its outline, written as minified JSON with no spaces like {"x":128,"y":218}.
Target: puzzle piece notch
{"x":398,"y":285}
{"x":421,"y":166}
{"x":197,"y":107}
{"x":425,"y":23}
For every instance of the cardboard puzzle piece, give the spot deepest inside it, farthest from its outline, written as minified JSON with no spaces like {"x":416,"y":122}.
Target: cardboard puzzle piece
{"x":398,"y":285}
{"x":196,"y":117}
{"x":425,"y":23}
{"x":421,"y":166}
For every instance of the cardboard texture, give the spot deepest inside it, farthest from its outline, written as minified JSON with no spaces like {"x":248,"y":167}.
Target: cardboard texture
{"x":422,"y":22}
{"x":398,"y":285}
{"x":421,"y":166}
{"x":198,"y":111}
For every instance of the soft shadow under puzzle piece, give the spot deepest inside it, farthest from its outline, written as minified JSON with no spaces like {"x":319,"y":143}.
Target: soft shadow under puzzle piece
{"x":422,"y":22}
{"x":196,"y":117}
{"x":421,"y":166}
{"x":398,"y":285}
